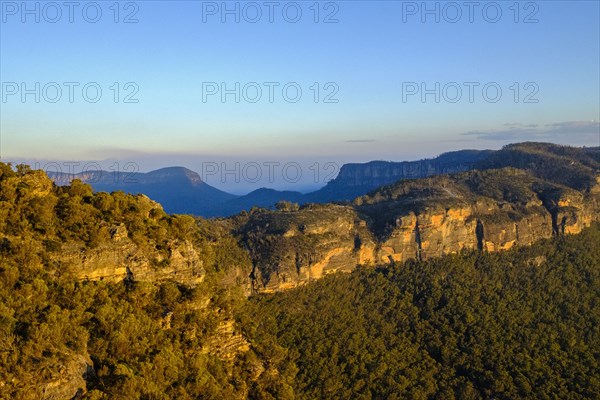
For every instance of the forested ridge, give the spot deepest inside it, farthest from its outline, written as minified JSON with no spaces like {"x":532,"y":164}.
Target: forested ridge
{"x":60,"y":334}
{"x":523,"y":323}
{"x":516,"y":324}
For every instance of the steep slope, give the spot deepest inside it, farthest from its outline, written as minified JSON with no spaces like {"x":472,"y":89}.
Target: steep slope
{"x":176,"y":324}
{"x":101,"y":236}
{"x":486,"y":210}
{"x":94,"y":286}
{"x":517,"y":325}
{"x":291,"y":248}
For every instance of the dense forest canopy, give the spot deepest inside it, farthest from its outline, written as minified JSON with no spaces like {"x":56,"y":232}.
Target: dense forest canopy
{"x":517,"y":324}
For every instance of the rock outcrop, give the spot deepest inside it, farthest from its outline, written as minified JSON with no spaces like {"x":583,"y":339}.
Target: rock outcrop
{"x":290,"y":248}
{"x":490,"y":211}
{"x":122,"y":259}
{"x":70,"y":382}
{"x":65,"y":380}
{"x":555,"y":191}
{"x":227,"y":342}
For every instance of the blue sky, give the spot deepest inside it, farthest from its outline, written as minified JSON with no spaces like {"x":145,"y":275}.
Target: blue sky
{"x":368,"y":61}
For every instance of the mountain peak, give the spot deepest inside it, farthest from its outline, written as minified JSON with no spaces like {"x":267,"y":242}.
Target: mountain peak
{"x":176,"y":173}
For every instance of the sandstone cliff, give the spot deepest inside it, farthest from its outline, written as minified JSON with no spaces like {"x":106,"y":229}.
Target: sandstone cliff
{"x":116,"y":237}
{"x":478,"y":210}
{"x":111,"y":237}
{"x":290,"y":248}
{"x":122,"y":259}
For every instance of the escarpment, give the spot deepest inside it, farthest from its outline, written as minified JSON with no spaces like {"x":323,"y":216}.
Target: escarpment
{"x":119,"y":237}
{"x":489,"y":211}
{"x":356,"y":179}
{"x":121,"y":259}
{"x":291,"y":248}
{"x":112,"y":237}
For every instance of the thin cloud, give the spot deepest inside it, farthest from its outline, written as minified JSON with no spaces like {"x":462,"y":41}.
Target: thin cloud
{"x":519,"y":125}
{"x":576,"y":130}
{"x":361,"y":141}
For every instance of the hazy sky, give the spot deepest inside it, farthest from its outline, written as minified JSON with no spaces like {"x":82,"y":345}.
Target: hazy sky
{"x":361,"y":67}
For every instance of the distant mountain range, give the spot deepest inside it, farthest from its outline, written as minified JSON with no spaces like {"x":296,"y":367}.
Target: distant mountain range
{"x":357,"y":179}
{"x":178,"y":189}
{"x":182,"y":191}
{"x":517,"y":196}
